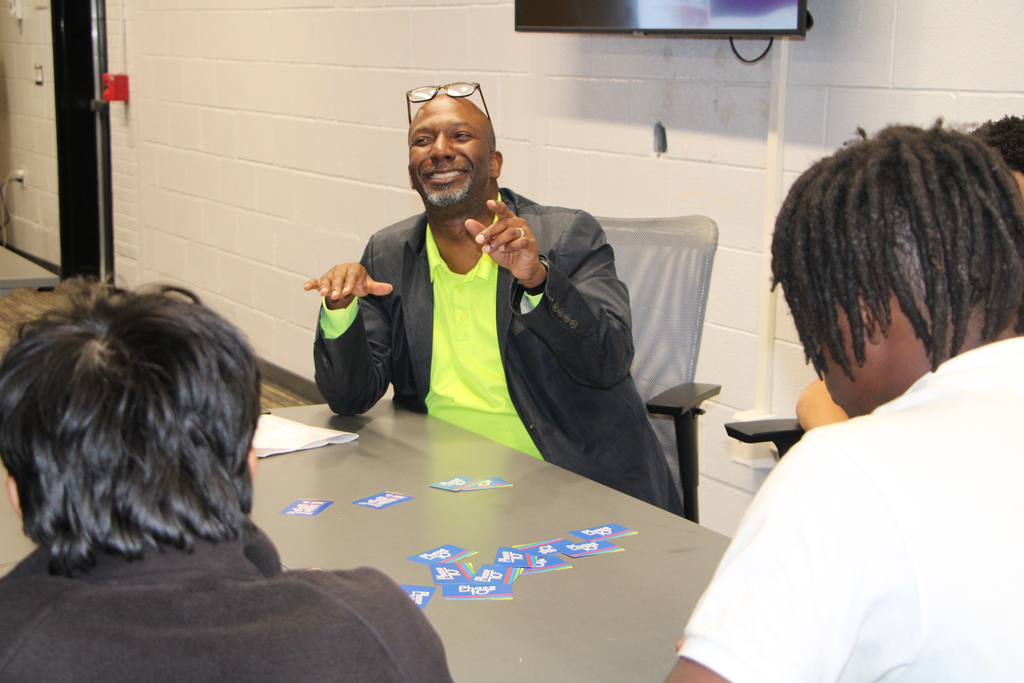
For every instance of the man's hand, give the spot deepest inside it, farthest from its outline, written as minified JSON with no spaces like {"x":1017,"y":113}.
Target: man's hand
{"x":689,"y":671}
{"x":342,"y":283}
{"x":815,"y":407}
{"x":511,"y":244}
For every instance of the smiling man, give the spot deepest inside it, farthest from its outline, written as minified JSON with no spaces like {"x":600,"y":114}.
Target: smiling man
{"x":887,"y":547}
{"x":491,"y":312}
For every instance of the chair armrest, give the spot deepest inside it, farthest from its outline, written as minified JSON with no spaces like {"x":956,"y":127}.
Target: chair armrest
{"x":683,"y":404}
{"x":682,"y":399}
{"x":783,"y":432}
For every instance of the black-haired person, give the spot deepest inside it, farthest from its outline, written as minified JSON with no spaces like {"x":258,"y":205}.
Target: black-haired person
{"x":125,"y":424}
{"x":887,"y":547}
{"x":815,"y":407}
{"x":1006,"y":136}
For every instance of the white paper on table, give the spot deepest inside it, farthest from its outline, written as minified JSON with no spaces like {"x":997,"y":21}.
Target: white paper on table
{"x":277,"y":435}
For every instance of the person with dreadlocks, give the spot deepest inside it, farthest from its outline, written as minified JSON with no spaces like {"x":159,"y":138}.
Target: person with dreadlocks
{"x":815,"y":407}
{"x":888,"y":545}
{"x":1006,"y":136}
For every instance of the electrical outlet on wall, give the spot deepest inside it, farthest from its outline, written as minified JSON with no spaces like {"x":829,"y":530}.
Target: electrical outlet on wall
{"x":16,"y":8}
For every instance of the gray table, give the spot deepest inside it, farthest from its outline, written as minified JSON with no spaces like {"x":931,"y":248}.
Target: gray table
{"x":612,"y":617}
{"x":17,"y":271}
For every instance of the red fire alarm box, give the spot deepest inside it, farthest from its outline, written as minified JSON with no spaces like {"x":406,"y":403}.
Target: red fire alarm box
{"x":115,"y":87}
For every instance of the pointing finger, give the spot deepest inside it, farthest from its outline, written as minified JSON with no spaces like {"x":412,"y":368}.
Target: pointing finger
{"x":500,"y":208}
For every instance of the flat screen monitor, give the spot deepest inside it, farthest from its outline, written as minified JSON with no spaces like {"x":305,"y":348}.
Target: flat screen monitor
{"x":697,"y":17}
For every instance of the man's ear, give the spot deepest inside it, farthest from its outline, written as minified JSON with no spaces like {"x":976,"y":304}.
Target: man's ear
{"x":12,"y":493}
{"x":496,"y":162}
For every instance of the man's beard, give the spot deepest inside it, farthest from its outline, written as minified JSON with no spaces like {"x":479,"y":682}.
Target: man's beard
{"x":448,"y":196}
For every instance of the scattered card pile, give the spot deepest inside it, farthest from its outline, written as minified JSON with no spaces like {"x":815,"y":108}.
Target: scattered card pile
{"x":460,"y":580}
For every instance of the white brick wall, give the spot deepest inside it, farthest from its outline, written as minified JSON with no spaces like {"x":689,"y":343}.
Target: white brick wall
{"x":28,"y":133}
{"x":265,"y":142}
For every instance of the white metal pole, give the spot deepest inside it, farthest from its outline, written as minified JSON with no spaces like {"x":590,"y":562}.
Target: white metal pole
{"x":772,"y":201}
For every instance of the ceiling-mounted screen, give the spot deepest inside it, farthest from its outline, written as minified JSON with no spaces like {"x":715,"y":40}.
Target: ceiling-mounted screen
{"x":704,"y":17}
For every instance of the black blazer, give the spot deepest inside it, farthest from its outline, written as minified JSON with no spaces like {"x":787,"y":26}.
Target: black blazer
{"x":566,"y":362}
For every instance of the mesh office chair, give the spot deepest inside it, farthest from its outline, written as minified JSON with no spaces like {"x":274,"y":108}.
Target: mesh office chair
{"x":666,"y":265}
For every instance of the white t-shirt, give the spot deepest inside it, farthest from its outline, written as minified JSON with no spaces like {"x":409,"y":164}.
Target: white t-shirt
{"x":887,"y":547}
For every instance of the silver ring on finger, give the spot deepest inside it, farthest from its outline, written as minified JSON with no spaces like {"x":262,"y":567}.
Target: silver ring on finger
{"x":522,"y":233}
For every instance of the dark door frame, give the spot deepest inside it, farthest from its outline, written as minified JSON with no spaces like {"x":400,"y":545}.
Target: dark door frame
{"x":83,"y":138}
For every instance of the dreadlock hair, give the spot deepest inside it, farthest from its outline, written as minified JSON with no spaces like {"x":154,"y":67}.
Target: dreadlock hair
{"x":932,"y":217}
{"x":1005,"y":136}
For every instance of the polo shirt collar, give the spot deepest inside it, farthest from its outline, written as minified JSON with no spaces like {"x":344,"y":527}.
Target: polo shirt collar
{"x":485,"y":268}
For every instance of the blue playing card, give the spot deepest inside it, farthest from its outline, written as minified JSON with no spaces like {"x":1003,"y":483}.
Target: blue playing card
{"x":512,"y":557}
{"x":383,"y":500}
{"x":465,"y":591}
{"x":492,"y":483}
{"x":454,"y":484}
{"x":545,"y":548}
{"x":546,"y":564}
{"x":307,"y":508}
{"x":445,"y":553}
{"x":581,"y":548}
{"x":451,"y":572}
{"x":493,"y":574}
{"x":606,"y":531}
{"x":419,"y":594}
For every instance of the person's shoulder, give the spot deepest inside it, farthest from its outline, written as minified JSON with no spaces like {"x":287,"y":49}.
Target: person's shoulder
{"x":563,"y":229}
{"x":528,"y":207}
{"x":365,"y":586}
{"x":872,"y":450}
{"x":25,"y":598}
{"x":820,"y":454}
{"x":383,"y":607}
{"x":399,"y":233}
{"x":383,"y":253}
{"x":366,"y":591}
{"x":850,"y":440}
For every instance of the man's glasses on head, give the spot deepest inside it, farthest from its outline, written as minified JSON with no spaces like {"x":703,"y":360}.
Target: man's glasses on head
{"x":429,"y":92}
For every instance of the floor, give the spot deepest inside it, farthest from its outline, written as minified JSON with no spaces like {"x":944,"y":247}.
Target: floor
{"x":22,"y":305}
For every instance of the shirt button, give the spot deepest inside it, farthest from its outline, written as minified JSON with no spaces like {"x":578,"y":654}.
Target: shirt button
{"x":566,"y":318}
{"x":463,"y":316}
{"x":460,"y":289}
{"x":572,"y":324}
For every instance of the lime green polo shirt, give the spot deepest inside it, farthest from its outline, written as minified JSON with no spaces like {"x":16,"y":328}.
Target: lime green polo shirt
{"x":467,"y":378}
